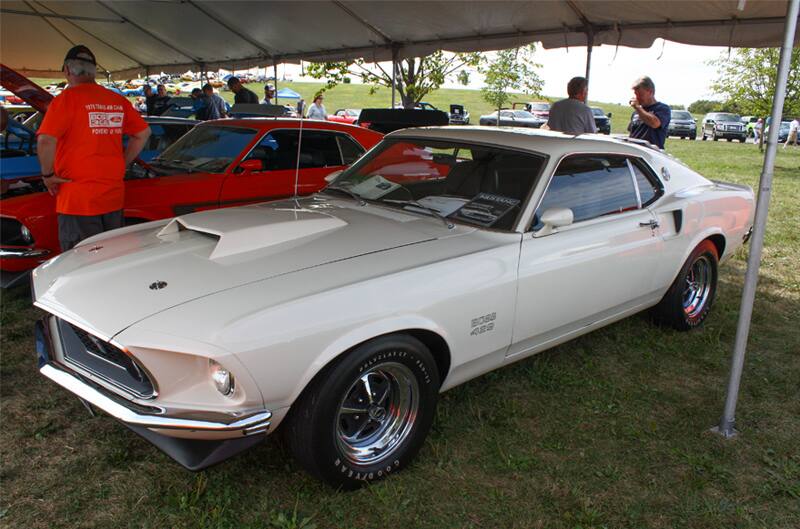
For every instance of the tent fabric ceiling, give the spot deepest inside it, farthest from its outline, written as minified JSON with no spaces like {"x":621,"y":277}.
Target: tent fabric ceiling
{"x":175,"y":35}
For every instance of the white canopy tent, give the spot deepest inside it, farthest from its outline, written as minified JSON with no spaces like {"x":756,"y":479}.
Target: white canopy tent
{"x":141,"y":37}
{"x":175,"y":35}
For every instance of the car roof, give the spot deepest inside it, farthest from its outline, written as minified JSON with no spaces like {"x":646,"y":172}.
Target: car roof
{"x":537,"y":140}
{"x":167,"y":120}
{"x":267,"y":123}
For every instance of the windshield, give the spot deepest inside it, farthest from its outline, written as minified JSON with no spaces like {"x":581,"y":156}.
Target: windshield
{"x":680,"y":114}
{"x":207,"y":148}
{"x":540,"y":106}
{"x":523,"y":114}
{"x":727,"y":117}
{"x":598,"y":112}
{"x":472,"y":184}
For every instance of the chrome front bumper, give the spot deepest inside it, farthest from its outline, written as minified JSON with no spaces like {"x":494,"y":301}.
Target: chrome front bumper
{"x":22,"y":253}
{"x":225,"y":438}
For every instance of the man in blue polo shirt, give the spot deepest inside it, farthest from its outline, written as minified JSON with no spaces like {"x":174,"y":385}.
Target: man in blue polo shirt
{"x":654,"y":117}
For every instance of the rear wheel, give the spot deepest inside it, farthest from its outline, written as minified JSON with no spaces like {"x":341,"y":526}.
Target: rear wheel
{"x":368,"y":415}
{"x":688,"y":301}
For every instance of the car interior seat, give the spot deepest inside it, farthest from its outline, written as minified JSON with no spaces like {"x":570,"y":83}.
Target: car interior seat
{"x":465,"y":179}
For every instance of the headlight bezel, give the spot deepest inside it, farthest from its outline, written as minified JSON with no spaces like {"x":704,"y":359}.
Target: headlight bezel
{"x":221,"y":378}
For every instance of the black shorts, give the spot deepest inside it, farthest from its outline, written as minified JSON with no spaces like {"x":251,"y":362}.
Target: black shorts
{"x":72,"y":229}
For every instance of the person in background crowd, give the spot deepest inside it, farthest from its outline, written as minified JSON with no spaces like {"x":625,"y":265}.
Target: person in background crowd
{"x":141,"y":104}
{"x":317,"y":109}
{"x":81,"y":154}
{"x":216,"y":108}
{"x":241,"y":94}
{"x":794,"y":130}
{"x":157,"y":103}
{"x":269,"y":95}
{"x":301,"y":108}
{"x":758,"y":128}
{"x":199,"y":104}
{"x":572,"y":115}
{"x":654,"y":117}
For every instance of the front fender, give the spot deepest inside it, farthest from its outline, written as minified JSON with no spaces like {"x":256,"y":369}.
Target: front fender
{"x":364,"y":333}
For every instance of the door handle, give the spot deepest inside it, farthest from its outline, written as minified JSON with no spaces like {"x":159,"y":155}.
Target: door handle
{"x":653,"y":224}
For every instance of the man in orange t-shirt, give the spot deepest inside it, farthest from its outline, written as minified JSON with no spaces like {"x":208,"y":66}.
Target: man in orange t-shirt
{"x":80,"y":151}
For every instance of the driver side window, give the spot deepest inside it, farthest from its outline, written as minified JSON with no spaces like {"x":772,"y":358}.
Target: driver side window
{"x":591,"y":186}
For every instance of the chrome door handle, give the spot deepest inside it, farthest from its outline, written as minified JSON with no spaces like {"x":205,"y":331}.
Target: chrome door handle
{"x":653,"y":224}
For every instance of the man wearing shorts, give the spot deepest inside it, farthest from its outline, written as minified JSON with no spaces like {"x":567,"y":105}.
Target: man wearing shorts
{"x":80,"y":151}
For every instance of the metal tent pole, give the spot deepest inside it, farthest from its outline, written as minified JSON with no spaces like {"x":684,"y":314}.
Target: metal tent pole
{"x":275,"y":73}
{"x":589,"y":46}
{"x":394,"y":73}
{"x":727,"y":423}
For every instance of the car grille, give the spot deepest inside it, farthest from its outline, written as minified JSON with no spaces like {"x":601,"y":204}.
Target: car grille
{"x":104,"y":360}
{"x":735,"y":128}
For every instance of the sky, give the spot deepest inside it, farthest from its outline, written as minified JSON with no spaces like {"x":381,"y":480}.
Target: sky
{"x":680,"y":72}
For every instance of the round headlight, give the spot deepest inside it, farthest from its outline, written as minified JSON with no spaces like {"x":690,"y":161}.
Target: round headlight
{"x":26,"y":234}
{"x":222,"y":378}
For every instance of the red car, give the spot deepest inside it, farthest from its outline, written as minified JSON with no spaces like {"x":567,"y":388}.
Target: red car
{"x":345,"y":115}
{"x":220,"y":163}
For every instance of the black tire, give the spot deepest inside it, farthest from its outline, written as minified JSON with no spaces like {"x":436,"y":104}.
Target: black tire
{"x":402,"y":374}
{"x":685,"y":307}
{"x":729,"y":139}
{"x":714,"y":136}
{"x":704,"y":136}
{"x":742,"y":140}
{"x":693,"y":137}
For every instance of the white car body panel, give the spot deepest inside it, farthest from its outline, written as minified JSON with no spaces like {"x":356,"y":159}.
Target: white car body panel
{"x":277,"y":291}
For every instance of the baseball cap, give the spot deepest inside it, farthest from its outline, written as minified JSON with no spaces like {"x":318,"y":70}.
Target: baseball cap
{"x":80,"y":53}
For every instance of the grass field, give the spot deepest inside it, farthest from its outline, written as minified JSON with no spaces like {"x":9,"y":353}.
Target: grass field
{"x":606,"y":431}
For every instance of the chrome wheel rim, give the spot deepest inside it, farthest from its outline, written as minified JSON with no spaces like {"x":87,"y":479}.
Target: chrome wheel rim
{"x":697,"y":288}
{"x":377,"y":413}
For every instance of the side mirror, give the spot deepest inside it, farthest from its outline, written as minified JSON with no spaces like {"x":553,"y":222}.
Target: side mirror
{"x":251,"y":165}
{"x":609,"y":114}
{"x":553,"y":218}
{"x":333,"y":176}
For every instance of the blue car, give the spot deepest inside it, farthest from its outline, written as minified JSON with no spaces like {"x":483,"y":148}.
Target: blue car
{"x":18,"y":159}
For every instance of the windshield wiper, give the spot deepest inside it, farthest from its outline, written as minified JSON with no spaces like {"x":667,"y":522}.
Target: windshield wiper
{"x":174,"y":164}
{"x":356,"y":196}
{"x":430,"y":210}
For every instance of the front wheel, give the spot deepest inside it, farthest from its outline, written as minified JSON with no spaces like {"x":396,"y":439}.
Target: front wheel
{"x":688,"y":300}
{"x":368,"y":415}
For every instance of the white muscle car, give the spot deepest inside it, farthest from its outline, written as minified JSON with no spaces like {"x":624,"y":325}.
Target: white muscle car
{"x":440,"y":255}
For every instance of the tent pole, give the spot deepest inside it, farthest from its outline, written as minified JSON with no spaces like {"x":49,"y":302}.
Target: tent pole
{"x":589,"y":46}
{"x":275,"y":73}
{"x":727,"y":423}
{"x":394,"y":73}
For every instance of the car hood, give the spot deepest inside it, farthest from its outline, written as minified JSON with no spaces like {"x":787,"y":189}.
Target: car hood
{"x":112,"y":281}
{"x":25,"y":89}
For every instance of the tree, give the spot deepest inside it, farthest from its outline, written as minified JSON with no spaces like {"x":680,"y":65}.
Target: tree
{"x":704,"y":106}
{"x":416,"y":76}
{"x":747,"y":81}
{"x":511,"y":69}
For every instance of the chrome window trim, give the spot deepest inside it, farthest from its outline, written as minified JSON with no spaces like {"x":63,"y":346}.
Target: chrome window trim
{"x":635,"y":183}
{"x":297,"y":129}
{"x":627,"y":155}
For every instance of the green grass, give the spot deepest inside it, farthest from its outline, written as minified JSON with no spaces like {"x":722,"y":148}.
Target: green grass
{"x":606,"y":431}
